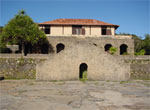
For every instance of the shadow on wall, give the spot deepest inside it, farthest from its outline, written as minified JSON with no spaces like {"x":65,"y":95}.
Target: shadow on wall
{"x":45,"y":48}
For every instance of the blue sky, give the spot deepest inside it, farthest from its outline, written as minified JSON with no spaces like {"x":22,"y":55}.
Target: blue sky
{"x":132,"y":15}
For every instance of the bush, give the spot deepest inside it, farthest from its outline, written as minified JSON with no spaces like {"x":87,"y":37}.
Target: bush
{"x":84,"y":76}
{"x":141,"y":52}
{"x":112,"y":50}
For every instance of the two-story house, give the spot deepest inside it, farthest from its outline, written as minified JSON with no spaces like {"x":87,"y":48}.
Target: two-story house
{"x":82,"y":45}
{"x":102,"y":34}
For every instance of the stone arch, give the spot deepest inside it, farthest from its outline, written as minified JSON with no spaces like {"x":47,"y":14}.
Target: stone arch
{"x":83,"y":67}
{"x":60,"y":47}
{"x":107,"y":47}
{"x":123,"y":49}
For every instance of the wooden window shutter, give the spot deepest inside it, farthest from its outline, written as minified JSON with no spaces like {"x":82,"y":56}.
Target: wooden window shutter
{"x":73,"y":30}
{"x":108,"y":32}
{"x":83,"y":31}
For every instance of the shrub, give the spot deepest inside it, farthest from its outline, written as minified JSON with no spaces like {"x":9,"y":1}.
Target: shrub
{"x":84,"y":76}
{"x":141,"y":52}
{"x":112,"y":50}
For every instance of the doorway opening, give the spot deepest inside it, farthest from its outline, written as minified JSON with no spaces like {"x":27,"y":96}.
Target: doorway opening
{"x":83,"y":68}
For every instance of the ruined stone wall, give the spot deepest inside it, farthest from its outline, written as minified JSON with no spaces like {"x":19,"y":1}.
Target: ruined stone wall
{"x":65,"y":65}
{"x":18,"y":67}
{"x":99,"y":42}
{"x":139,"y":66}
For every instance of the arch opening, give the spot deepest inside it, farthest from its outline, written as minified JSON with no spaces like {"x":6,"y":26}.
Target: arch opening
{"x":123,"y":49}
{"x":107,"y":47}
{"x":83,"y":67}
{"x":60,"y":47}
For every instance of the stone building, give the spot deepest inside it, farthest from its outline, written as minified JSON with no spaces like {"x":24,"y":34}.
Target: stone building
{"x":82,"y":45}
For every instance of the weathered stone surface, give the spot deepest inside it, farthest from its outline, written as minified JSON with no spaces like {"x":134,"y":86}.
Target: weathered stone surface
{"x":18,"y":68}
{"x":74,"y":95}
{"x":15,"y":67}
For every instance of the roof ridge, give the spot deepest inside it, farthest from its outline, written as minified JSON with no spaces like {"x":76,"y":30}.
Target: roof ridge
{"x":79,"y":21}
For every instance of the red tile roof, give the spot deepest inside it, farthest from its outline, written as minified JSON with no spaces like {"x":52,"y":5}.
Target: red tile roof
{"x":78,"y":22}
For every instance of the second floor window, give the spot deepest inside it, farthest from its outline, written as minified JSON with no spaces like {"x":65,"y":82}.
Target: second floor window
{"x":47,"y":30}
{"x":78,"y":30}
{"x":106,"y":31}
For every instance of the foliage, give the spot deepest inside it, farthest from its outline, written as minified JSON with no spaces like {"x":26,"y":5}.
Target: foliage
{"x":141,"y":52}
{"x":1,"y":29}
{"x":125,"y":53}
{"x":146,"y":43}
{"x":112,"y":50}
{"x":140,"y":44}
{"x":84,"y":76}
{"x":22,"y":30}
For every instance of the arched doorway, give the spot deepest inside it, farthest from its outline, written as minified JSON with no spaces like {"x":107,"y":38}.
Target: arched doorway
{"x":83,"y":67}
{"x":60,"y":47}
{"x":107,"y":47}
{"x":123,"y":49}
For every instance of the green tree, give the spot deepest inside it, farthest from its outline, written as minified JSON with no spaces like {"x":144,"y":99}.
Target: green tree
{"x":146,"y":43}
{"x":22,"y":30}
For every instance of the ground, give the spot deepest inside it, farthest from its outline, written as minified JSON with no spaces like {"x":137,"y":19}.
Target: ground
{"x":74,"y":95}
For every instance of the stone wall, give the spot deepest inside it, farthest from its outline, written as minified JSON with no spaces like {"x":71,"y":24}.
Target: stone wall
{"x":66,"y":64}
{"x":15,"y":66}
{"x":18,"y":68}
{"x":100,"y":42}
{"x":139,"y":66}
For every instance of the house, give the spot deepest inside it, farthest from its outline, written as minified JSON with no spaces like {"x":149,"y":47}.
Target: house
{"x":87,"y":28}
{"x":83,"y":45}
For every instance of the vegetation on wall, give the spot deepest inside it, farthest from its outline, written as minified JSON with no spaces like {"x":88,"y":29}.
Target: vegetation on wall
{"x":140,"y":45}
{"x":112,"y":50}
{"x":21,"y":30}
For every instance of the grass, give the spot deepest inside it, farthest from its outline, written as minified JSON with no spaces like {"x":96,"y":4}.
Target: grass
{"x":123,"y":82}
{"x":84,"y":77}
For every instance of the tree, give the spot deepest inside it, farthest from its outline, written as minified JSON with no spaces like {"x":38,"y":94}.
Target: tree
{"x":21,"y":30}
{"x":146,"y":43}
{"x":140,"y":46}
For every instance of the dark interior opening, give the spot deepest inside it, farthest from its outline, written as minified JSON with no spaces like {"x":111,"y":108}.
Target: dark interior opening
{"x":47,"y":29}
{"x":107,"y":47}
{"x":77,"y":30}
{"x":28,"y":49}
{"x":45,"y":48}
{"x":83,"y":67}
{"x":104,"y":29}
{"x":123,"y":49}
{"x":60,"y":47}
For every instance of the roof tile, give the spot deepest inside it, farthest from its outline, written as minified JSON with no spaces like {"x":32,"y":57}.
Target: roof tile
{"x":78,"y":22}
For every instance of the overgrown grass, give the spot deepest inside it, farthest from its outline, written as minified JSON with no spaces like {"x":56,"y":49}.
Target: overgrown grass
{"x":84,"y":77}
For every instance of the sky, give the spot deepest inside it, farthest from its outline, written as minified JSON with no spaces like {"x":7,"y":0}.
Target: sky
{"x":133,"y":16}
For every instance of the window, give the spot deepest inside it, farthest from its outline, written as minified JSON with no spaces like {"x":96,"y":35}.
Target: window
{"x":106,"y":31}
{"x":107,"y":47}
{"x":78,"y":30}
{"x":123,"y":49}
{"x":60,"y":47}
{"x":47,"y":29}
